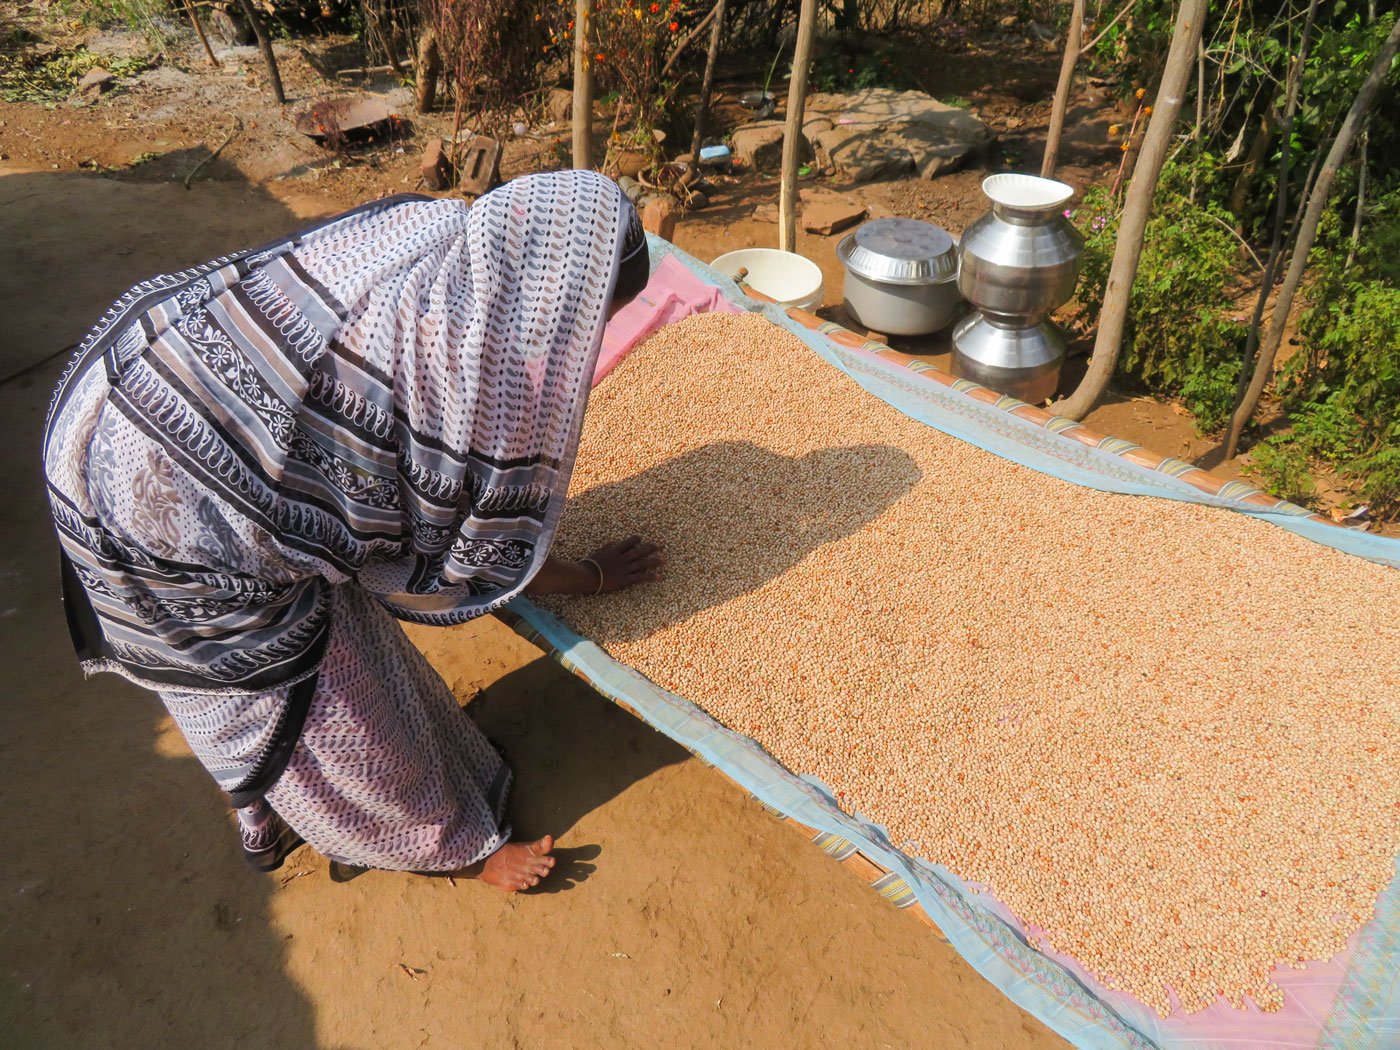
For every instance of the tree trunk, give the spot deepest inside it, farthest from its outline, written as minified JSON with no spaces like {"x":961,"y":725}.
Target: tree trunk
{"x":1062,"y":89}
{"x":265,"y":45}
{"x":1254,"y":157}
{"x":583,"y":84}
{"x":1295,"y":80}
{"x":792,"y":135}
{"x":429,"y":70}
{"x":706,"y":86}
{"x":1199,"y":131}
{"x":1131,"y":230}
{"x":1307,"y":233}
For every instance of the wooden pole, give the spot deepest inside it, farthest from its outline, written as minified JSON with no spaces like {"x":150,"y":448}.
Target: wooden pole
{"x":1062,"y":89}
{"x":706,"y":86}
{"x":199,"y":29}
{"x":583,"y":84}
{"x":792,"y":135}
{"x":1117,"y":295}
{"x":265,"y":45}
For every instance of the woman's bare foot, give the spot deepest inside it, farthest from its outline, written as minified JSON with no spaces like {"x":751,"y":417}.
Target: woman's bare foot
{"x":518,"y":865}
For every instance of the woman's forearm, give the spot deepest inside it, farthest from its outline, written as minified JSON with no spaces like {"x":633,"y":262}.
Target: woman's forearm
{"x":557,"y":576}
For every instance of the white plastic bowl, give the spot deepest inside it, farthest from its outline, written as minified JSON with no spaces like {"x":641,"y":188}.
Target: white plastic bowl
{"x":1027,"y":192}
{"x":790,"y":279}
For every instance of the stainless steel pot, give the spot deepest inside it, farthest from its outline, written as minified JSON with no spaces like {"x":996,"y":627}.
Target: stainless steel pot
{"x":1023,"y":361}
{"x":1021,"y":259}
{"x":901,"y":276}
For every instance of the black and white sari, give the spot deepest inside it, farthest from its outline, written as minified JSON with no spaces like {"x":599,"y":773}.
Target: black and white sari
{"x":256,"y":465}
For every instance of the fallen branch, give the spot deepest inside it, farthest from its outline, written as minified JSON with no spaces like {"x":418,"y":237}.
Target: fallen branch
{"x":232,"y":131}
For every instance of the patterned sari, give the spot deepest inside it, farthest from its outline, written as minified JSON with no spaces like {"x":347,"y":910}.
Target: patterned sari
{"x":256,"y":465}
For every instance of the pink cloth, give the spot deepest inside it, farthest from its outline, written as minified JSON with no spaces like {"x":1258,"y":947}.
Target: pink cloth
{"x":673,"y":292}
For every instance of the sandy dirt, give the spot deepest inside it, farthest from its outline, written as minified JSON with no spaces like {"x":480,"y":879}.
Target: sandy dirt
{"x":129,"y":920}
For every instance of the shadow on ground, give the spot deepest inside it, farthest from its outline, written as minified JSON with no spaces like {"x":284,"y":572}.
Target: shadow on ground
{"x":789,"y":514}
{"x":129,"y":918}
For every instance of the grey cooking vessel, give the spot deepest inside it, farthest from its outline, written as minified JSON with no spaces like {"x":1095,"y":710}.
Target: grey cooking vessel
{"x":901,"y":276}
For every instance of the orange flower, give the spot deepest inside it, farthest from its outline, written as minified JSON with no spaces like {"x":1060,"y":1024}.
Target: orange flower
{"x":675,"y":26}
{"x":655,"y":8}
{"x":599,"y":57}
{"x":571,"y":23}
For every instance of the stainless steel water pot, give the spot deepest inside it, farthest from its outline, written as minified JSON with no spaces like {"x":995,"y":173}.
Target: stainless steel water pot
{"x":1021,"y":259}
{"x":1023,"y":361}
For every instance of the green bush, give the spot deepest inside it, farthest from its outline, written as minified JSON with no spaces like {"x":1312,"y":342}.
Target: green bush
{"x":1284,"y":469}
{"x":1342,"y":389}
{"x":843,"y":70}
{"x":1181,"y":339}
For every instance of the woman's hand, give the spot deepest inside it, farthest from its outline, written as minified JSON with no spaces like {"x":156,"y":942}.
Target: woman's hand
{"x":622,"y":564}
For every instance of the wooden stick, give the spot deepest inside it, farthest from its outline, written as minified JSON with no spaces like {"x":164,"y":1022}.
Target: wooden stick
{"x":1062,"y":89}
{"x":199,"y":29}
{"x":706,"y":86}
{"x":232,"y":131}
{"x":265,"y":45}
{"x":1281,"y":225}
{"x":792,"y":136}
{"x":583,"y":84}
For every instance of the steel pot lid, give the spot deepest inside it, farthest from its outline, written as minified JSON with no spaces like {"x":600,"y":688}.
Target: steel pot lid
{"x":900,"y":251}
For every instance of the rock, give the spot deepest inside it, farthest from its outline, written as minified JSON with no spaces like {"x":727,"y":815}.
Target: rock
{"x":814,"y":126}
{"x":659,"y":215}
{"x":827,"y":213}
{"x":880,"y":133}
{"x":435,"y":167}
{"x":823,"y":211}
{"x":760,"y":145}
{"x":231,"y":28}
{"x":560,"y":106}
{"x":480,"y":165}
{"x":697,"y":200}
{"x":95,"y":81}
{"x":631,"y":188}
